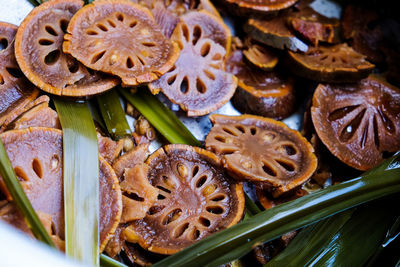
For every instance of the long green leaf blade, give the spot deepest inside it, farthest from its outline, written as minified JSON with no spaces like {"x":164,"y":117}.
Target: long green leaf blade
{"x":234,"y":242}
{"x":163,"y":119}
{"x":106,"y":261}
{"x":81,"y":181}
{"x":113,"y":114}
{"x":20,"y":199}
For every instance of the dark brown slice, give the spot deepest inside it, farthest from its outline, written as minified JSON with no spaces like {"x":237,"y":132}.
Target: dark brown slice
{"x":121,"y":38}
{"x":15,"y":90}
{"x":195,"y":199}
{"x":38,"y":49}
{"x":204,"y":88}
{"x":268,"y":202}
{"x":337,"y":64}
{"x":260,"y":55}
{"x":358,"y":123}
{"x":36,"y":155}
{"x":259,"y":92}
{"x":139,"y":256}
{"x":242,"y":7}
{"x":314,"y":27}
{"x":262,"y":150}
{"x":274,"y":32}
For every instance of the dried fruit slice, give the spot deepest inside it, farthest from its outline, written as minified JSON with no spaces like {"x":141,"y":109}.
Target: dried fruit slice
{"x":358,"y":122}
{"x":314,"y":27}
{"x":121,"y":38}
{"x":260,"y":56}
{"x":259,"y":92}
{"x":242,"y":7}
{"x":337,"y":64}
{"x":130,"y":159}
{"x":36,"y":155}
{"x":15,"y":90}
{"x":206,"y":87}
{"x":38,"y":49}
{"x":274,"y":32}
{"x":262,"y":150}
{"x":268,"y":202}
{"x":195,"y":199}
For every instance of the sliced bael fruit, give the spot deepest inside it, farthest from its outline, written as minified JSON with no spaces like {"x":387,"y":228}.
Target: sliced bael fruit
{"x":337,"y":64}
{"x":36,"y":155}
{"x":274,"y":32}
{"x":268,"y":202}
{"x":195,"y":199}
{"x":259,"y":92}
{"x":38,"y":49}
{"x":121,"y":38}
{"x":358,"y":123}
{"x":260,"y":55}
{"x":198,"y":82}
{"x":245,"y":7}
{"x":130,"y":159}
{"x":262,"y":150}
{"x":15,"y":90}
{"x":139,"y":256}
{"x":314,"y":27}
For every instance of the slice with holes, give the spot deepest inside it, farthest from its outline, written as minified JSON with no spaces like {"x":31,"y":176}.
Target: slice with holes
{"x":38,"y":49}
{"x":261,"y":7}
{"x":337,"y":64}
{"x":262,"y":150}
{"x":259,"y":55}
{"x":121,"y":38}
{"x":259,"y":92}
{"x":202,"y":89}
{"x":15,"y":90}
{"x":358,"y":123}
{"x":195,"y":199}
{"x":36,"y":155}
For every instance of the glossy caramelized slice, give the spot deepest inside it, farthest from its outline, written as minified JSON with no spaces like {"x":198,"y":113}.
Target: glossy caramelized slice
{"x":260,"y":55}
{"x":195,"y":199}
{"x":262,"y":150}
{"x":198,"y":81}
{"x":36,"y":155}
{"x":15,"y":90}
{"x":121,"y":38}
{"x":337,"y":63}
{"x":246,"y":6}
{"x":358,"y":122}
{"x":38,"y":49}
{"x":259,"y":92}
{"x":268,"y":202}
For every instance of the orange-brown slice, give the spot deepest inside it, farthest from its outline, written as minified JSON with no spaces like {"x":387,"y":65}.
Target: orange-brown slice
{"x":195,"y":199}
{"x":259,"y":92}
{"x":121,"y":38}
{"x":204,"y":88}
{"x":260,"y":55}
{"x":38,"y":49}
{"x":15,"y":90}
{"x":36,"y":156}
{"x":242,"y":7}
{"x":262,"y":150}
{"x":359,"y":122}
{"x":337,"y":63}
{"x":268,"y":202}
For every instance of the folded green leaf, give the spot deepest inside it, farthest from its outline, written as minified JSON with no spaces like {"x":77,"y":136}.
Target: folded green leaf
{"x":81,"y":181}
{"x":20,"y":199}
{"x":106,"y":261}
{"x":163,"y":119}
{"x":113,"y":114}
{"x":234,"y":242}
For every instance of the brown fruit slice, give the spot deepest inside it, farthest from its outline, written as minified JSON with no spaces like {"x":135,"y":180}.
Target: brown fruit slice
{"x":262,"y":150}
{"x":268,"y":202}
{"x":204,"y":88}
{"x":38,"y":49}
{"x":121,"y":38}
{"x":241,"y":7}
{"x":274,"y":32}
{"x":259,"y":92}
{"x":260,"y":56}
{"x":195,"y":199}
{"x":358,"y":122}
{"x":36,"y":155}
{"x":15,"y":90}
{"x":130,"y":159}
{"x":337,"y":63}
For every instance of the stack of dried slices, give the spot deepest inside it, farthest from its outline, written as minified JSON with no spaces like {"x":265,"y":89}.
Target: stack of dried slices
{"x":284,"y":54}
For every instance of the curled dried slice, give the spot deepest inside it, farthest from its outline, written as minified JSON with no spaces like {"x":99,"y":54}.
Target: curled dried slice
{"x":268,"y":202}
{"x":274,"y":32}
{"x":15,"y":90}
{"x":259,"y":92}
{"x":244,"y":7}
{"x":358,"y":123}
{"x":195,"y":199}
{"x":262,"y":150}
{"x":38,"y":49}
{"x":202,"y":89}
{"x":121,"y":38}
{"x":260,"y":56}
{"x":337,"y":63}
{"x":109,"y":149}
{"x":130,"y":159}
{"x":36,"y":155}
